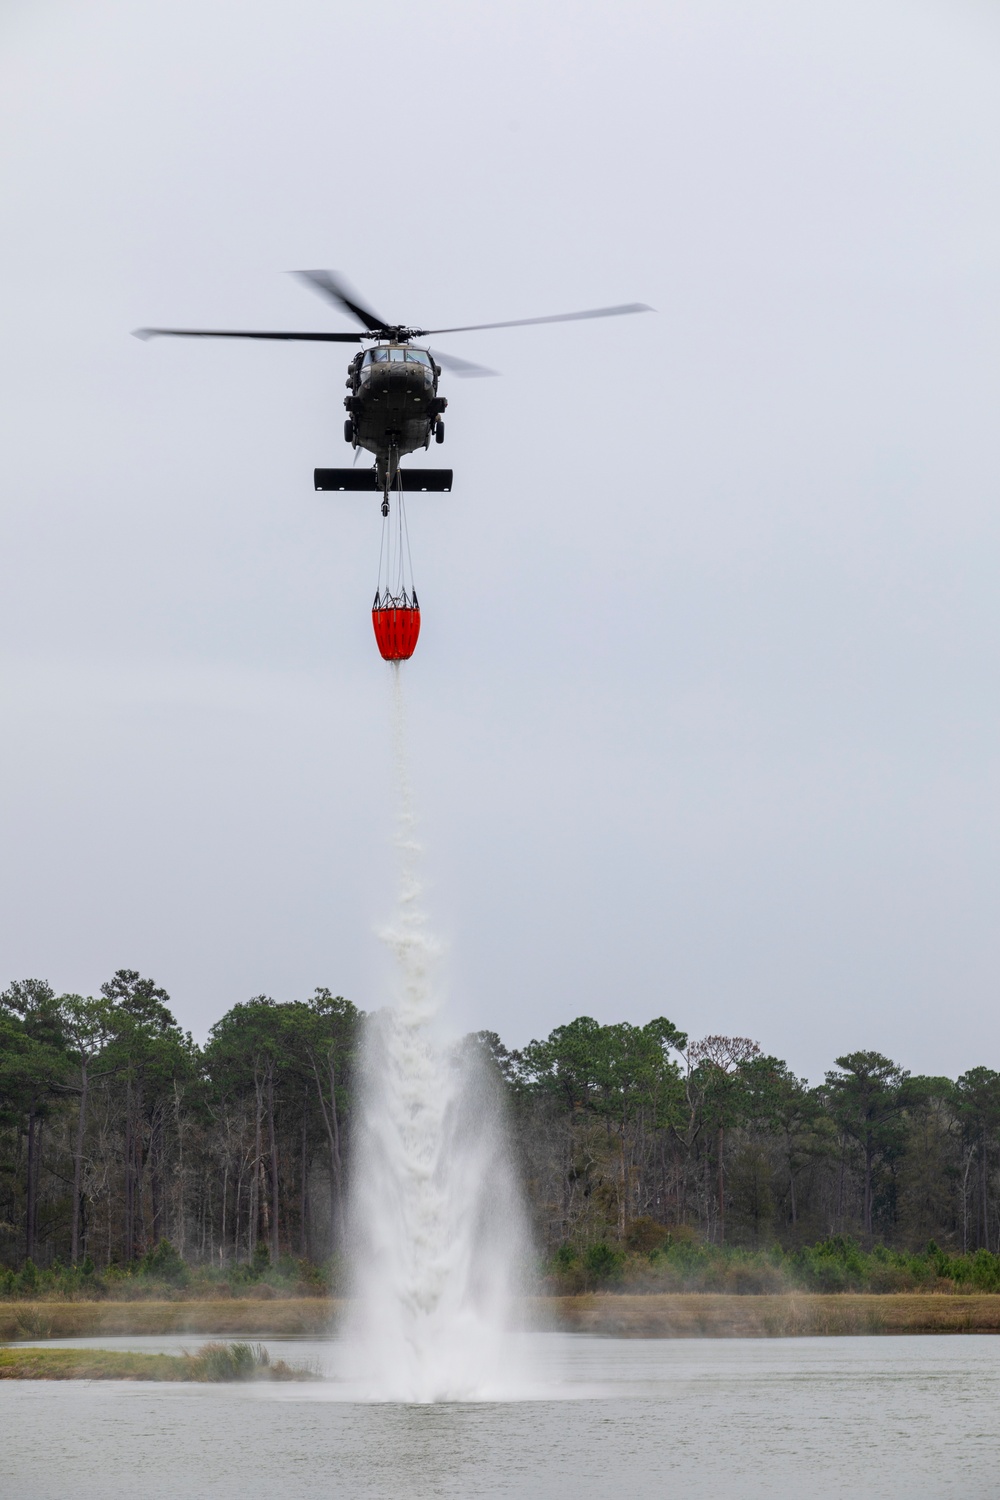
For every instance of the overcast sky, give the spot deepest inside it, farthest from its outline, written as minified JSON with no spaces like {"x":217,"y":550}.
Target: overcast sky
{"x":704,"y":714}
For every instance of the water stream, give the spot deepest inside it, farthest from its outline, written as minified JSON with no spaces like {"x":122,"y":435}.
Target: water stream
{"x":438,"y":1242}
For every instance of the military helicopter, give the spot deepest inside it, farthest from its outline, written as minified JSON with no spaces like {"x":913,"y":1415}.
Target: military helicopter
{"x":393,"y":407}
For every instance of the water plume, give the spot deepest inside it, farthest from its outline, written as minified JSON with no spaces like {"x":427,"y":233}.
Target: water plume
{"x":437,"y":1226}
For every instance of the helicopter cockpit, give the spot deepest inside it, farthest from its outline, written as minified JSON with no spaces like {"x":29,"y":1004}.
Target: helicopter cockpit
{"x":396,"y":356}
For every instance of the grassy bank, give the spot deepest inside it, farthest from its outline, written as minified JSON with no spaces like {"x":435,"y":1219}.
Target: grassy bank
{"x":714,"y":1315}
{"x":213,"y":1362}
{"x":50,"y":1320}
{"x":618,"y":1314}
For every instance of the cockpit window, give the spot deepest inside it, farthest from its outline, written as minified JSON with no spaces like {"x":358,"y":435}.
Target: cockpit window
{"x":385,"y":356}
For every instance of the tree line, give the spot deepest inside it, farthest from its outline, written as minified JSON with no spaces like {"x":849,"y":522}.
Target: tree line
{"x":118,"y":1133}
{"x":627,"y":1125}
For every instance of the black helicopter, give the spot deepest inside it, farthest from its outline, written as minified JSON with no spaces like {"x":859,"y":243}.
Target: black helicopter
{"x":393,"y":407}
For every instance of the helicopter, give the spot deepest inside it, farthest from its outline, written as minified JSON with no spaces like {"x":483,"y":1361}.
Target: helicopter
{"x":393,"y":406}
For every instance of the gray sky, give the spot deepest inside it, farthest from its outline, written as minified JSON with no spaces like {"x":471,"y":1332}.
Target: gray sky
{"x":704,"y":712}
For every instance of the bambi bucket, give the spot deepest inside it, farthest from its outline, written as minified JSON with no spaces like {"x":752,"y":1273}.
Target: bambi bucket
{"x":397,"y":627}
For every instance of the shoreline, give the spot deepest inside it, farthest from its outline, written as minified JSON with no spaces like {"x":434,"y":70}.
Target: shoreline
{"x":212,"y":1363}
{"x":774,"y":1315}
{"x":608,"y":1314}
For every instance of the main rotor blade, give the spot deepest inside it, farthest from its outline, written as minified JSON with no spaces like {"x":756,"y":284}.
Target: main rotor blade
{"x":333,"y":287}
{"x":459,"y":366}
{"x":230,"y":333}
{"x":593,"y":312}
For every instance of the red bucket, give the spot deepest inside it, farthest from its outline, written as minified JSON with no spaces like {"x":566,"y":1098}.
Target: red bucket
{"x":396,"y":630}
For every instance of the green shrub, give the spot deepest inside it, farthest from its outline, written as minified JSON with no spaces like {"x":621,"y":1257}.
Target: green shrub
{"x":237,"y":1361}
{"x":603,"y":1264}
{"x":985,"y":1271}
{"x":565,"y":1258}
{"x":163,"y":1263}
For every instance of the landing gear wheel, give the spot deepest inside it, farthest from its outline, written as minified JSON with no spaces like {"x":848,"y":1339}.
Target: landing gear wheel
{"x":348,"y":431}
{"x":439,"y":433}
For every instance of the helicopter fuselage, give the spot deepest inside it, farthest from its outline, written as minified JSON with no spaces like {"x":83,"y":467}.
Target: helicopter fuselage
{"x":393,"y":407}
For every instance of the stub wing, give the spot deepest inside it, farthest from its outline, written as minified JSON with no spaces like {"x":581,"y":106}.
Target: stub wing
{"x":413,"y":480}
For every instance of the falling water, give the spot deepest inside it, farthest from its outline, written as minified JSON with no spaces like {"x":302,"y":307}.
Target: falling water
{"x":438,"y":1237}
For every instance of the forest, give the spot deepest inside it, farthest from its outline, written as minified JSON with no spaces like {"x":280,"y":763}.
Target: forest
{"x":125,"y":1147}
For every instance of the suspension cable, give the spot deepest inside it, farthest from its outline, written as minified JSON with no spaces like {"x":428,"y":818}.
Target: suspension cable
{"x":395,"y":563}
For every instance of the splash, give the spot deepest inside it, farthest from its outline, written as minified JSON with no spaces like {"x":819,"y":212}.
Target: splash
{"x":437,"y":1225}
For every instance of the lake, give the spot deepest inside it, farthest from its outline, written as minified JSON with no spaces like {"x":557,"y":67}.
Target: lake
{"x":915,"y":1417}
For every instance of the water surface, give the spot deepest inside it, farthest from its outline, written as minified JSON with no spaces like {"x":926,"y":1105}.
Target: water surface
{"x":914,"y":1417}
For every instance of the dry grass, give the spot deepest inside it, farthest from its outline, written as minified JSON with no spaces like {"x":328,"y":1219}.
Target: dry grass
{"x":214,"y":1362}
{"x":137,"y":1289}
{"x":62,"y":1320}
{"x":652,"y":1315}
{"x":712,"y":1315}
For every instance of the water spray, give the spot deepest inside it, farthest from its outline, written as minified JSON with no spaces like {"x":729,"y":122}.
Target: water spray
{"x":438,"y":1236}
